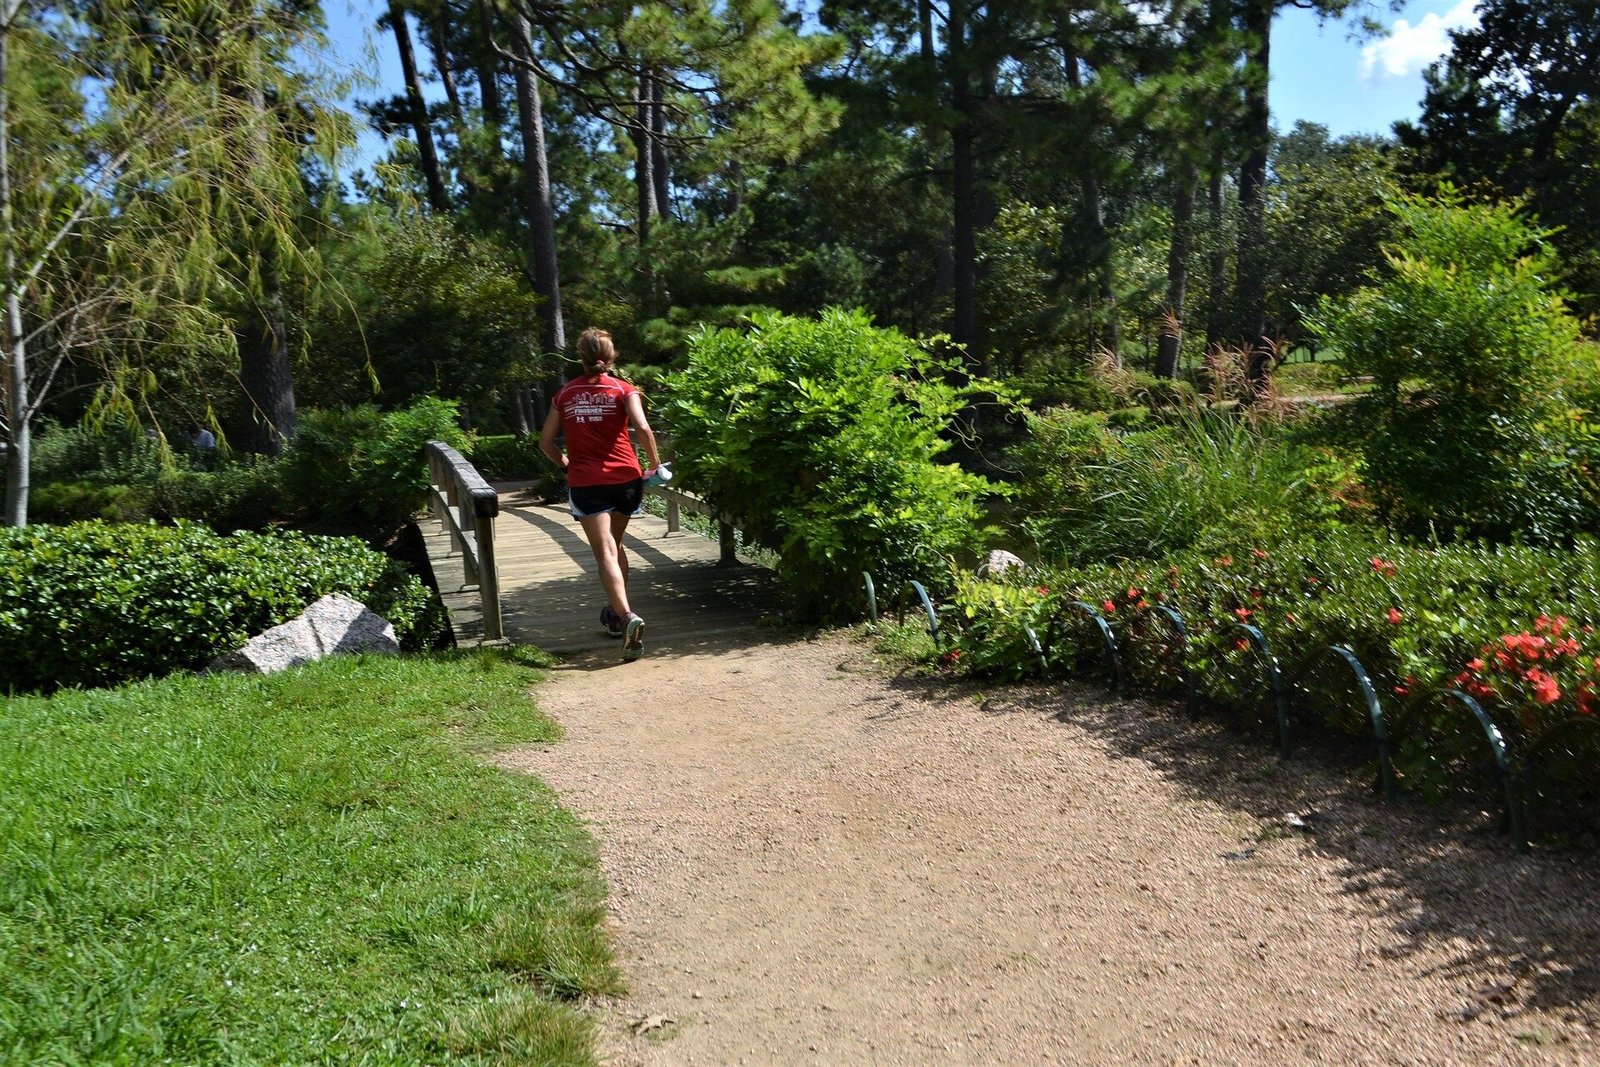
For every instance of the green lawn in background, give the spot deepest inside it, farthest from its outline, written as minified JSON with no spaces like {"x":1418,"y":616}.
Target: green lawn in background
{"x":308,"y":868}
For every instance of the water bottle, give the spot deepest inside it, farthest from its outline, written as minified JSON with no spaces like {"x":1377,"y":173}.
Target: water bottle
{"x":658,"y":476}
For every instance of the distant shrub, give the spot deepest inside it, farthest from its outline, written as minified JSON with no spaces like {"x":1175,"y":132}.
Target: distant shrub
{"x":96,"y":604}
{"x":1468,"y":430}
{"x":67,"y":502}
{"x":1092,"y":494}
{"x":237,"y":496}
{"x":505,"y":457}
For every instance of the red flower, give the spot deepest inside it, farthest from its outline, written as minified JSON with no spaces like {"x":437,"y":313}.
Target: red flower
{"x":1288,"y":616}
{"x":1109,"y":606}
{"x":1258,"y":553}
{"x":1133,"y":594}
{"x":1141,"y":605}
{"x":1243,"y":613}
{"x":1241,"y":644}
{"x":1393,"y":616}
{"x":1545,"y":689}
{"x":1043,"y":590}
{"x":1383,"y":566}
{"x":1475,"y":665}
{"x":949,"y":657}
{"x":1224,"y":561}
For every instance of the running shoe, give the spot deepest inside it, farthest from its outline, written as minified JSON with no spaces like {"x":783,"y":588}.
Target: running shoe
{"x":611,"y":621}
{"x":633,"y":637}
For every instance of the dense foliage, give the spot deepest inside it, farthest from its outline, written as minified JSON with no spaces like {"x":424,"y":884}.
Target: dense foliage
{"x":96,"y":604}
{"x":1091,"y":494}
{"x":821,"y":437}
{"x":1475,"y":424}
{"x":365,"y":469}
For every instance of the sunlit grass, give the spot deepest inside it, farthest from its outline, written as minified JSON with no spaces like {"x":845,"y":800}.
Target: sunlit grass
{"x":312,"y":867}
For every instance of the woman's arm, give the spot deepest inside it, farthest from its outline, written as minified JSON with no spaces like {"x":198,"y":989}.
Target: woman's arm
{"x":547,"y":438}
{"x":641,"y":424}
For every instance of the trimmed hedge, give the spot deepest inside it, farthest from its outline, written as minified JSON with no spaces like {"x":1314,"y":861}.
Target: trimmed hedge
{"x":97,"y":604}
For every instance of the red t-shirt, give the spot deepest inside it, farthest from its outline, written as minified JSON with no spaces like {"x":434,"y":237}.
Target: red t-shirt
{"x":594,"y":418}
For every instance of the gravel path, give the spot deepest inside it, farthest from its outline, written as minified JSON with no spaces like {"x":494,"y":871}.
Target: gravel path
{"x":813,"y":861}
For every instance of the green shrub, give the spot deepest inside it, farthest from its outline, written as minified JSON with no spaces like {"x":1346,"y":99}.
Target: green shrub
{"x":821,"y":438}
{"x":505,"y":457}
{"x":67,"y":502}
{"x":80,"y":453}
{"x":96,"y":604}
{"x":236,"y":496}
{"x":1466,"y":431}
{"x":1093,"y":495}
{"x":363,"y":469}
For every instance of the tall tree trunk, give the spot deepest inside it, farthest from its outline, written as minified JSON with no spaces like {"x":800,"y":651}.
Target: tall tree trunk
{"x":488,"y":72}
{"x":1177,"y":275}
{"x":536,"y":193}
{"x":659,"y":172}
{"x":964,"y":191}
{"x":1250,"y":297}
{"x":19,"y":435}
{"x":1094,"y":219}
{"x":439,"y":45}
{"x":264,"y":368}
{"x":644,"y":187}
{"x":1217,"y":265}
{"x":427,"y":154}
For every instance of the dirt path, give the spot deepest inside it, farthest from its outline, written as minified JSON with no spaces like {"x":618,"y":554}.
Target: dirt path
{"x":814,"y":862}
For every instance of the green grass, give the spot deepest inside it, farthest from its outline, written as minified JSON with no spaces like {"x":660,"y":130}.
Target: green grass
{"x":307,"y":868}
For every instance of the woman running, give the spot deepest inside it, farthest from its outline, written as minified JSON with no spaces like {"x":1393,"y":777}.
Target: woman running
{"x":604,"y":481}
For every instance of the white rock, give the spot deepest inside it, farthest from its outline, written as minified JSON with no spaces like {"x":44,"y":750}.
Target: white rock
{"x":998,"y":561}
{"x":333,"y":624}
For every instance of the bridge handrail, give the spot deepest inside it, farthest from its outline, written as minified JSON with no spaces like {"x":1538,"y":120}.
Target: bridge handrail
{"x":679,"y":501}
{"x":466,"y":505}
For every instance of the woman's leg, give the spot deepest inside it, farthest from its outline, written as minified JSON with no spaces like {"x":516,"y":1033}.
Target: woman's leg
{"x":607,"y":547}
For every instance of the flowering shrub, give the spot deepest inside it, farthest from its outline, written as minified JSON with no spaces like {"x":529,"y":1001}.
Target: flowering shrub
{"x":1528,"y":672}
{"x":1509,"y":625}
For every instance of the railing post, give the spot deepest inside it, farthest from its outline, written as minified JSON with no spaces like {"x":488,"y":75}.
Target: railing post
{"x":485,"y":506}
{"x":674,"y":515}
{"x":467,"y":506}
{"x":725,"y":544}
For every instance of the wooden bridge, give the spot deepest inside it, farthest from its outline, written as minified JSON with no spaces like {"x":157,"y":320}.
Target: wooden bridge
{"x":549,"y":594}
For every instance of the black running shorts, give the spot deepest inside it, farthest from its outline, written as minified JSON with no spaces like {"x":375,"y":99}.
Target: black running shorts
{"x":598,"y":499}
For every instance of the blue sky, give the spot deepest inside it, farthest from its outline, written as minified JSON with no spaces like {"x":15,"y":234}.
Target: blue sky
{"x":1319,"y":73}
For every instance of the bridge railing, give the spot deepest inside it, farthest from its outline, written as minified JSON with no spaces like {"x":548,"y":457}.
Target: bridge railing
{"x":678,"y":502}
{"x":466,"y":505}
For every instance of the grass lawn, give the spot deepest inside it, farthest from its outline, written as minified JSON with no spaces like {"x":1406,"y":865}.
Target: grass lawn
{"x":307,"y":868}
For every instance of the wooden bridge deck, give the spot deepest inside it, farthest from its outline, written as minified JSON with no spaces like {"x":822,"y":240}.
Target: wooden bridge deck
{"x":550,"y":596}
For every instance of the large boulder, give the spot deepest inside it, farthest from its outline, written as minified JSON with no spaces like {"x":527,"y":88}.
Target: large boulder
{"x":331,"y":625}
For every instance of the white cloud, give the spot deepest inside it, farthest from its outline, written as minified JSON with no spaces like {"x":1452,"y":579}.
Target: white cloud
{"x":1410,"y":48}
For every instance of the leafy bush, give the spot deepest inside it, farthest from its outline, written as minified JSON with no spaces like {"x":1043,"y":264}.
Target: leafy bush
{"x":81,"y":453}
{"x":820,"y":438}
{"x":96,"y":604}
{"x":1467,"y":430}
{"x":237,"y":496}
{"x":364,"y":469}
{"x":505,"y":457}
{"x":67,"y":502}
{"x":1092,"y":494}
